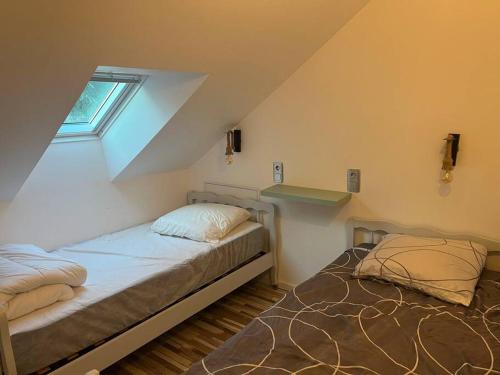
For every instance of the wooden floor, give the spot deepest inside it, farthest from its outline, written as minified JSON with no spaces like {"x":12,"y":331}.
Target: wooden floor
{"x":175,"y":351}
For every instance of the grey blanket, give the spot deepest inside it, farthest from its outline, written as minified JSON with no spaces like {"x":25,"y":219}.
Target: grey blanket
{"x":335,"y":324}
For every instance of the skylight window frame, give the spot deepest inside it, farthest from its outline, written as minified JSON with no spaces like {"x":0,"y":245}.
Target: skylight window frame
{"x":133,"y":83}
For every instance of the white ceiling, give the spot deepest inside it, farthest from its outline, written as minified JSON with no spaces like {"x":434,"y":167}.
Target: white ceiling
{"x":49,"y":49}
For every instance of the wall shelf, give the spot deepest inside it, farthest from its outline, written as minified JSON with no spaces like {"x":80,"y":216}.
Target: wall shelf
{"x":307,"y":195}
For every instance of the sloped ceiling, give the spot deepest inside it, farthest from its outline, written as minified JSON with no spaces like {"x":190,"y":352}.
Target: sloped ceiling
{"x":49,"y":49}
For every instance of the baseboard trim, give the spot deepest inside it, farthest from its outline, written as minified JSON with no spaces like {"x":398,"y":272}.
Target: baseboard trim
{"x":285,"y":286}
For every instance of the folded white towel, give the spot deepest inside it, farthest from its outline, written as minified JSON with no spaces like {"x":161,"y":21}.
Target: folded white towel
{"x":31,"y":278}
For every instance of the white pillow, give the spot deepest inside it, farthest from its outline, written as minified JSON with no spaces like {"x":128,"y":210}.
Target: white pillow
{"x":445,"y":269}
{"x":206,"y":222}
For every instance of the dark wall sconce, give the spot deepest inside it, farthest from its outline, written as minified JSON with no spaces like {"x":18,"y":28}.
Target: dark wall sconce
{"x":233,"y":144}
{"x":237,"y":140}
{"x":450,"y":157}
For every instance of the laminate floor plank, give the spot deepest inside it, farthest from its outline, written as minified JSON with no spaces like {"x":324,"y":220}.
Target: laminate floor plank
{"x":176,"y":350}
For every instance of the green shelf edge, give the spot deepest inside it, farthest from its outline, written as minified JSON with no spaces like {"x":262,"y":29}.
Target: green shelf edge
{"x":307,"y":195}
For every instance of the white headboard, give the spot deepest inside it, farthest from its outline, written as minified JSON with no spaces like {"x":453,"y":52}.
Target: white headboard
{"x":238,"y":191}
{"x":262,"y":212}
{"x":371,"y":231}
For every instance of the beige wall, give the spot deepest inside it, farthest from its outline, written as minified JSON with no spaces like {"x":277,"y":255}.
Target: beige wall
{"x":68,"y":197}
{"x":380,"y":96}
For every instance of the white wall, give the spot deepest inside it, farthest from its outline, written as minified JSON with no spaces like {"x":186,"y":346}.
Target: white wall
{"x":68,"y":198}
{"x":380,"y":96}
{"x":147,"y":112}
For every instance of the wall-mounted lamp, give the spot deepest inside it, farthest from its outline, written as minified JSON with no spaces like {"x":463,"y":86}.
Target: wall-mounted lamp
{"x":450,"y":157}
{"x":233,"y":144}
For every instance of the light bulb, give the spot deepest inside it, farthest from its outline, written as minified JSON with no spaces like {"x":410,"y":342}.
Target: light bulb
{"x":447,"y":177}
{"x":229,"y":159}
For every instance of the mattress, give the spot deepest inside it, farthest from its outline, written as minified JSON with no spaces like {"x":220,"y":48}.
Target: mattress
{"x":132,"y":274}
{"x":333,"y":323}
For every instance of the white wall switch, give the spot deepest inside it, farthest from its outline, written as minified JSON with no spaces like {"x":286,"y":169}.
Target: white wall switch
{"x":353,"y":180}
{"x":278,"y":172}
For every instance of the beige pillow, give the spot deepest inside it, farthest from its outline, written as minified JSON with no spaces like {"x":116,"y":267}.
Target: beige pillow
{"x":445,"y":269}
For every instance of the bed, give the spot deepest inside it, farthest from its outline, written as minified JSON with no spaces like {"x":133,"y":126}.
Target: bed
{"x":333,"y":323}
{"x":139,"y":285}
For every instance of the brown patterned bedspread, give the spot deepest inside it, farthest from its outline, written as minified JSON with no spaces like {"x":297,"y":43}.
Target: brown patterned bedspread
{"x":335,"y":324}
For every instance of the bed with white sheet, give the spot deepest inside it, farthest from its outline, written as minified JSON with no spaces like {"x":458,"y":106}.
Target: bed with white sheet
{"x":133,"y":276}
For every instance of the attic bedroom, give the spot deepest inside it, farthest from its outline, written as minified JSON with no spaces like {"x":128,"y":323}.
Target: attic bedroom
{"x":234,"y":187}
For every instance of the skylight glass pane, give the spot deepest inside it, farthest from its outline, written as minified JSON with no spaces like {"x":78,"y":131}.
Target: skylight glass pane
{"x":109,"y":102}
{"x":99,"y":103}
{"x":89,"y":103}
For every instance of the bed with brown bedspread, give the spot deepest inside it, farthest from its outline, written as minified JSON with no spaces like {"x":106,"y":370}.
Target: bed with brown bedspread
{"x":335,"y":324}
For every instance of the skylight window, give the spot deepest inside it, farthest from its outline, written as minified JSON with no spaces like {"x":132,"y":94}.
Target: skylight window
{"x":102,"y":98}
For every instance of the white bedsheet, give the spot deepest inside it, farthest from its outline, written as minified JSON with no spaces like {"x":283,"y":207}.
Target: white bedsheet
{"x":118,"y":261}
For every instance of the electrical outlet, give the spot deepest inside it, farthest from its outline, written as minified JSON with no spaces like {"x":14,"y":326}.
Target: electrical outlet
{"x":278,"y":172}
{"x":353,"y":180}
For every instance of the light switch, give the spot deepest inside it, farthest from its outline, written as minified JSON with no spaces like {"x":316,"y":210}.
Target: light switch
{"x":353,"y":180}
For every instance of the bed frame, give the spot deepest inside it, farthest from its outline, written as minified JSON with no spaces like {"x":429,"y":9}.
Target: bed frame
{"x":371,"y":231}
{"x":132,"y":339}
